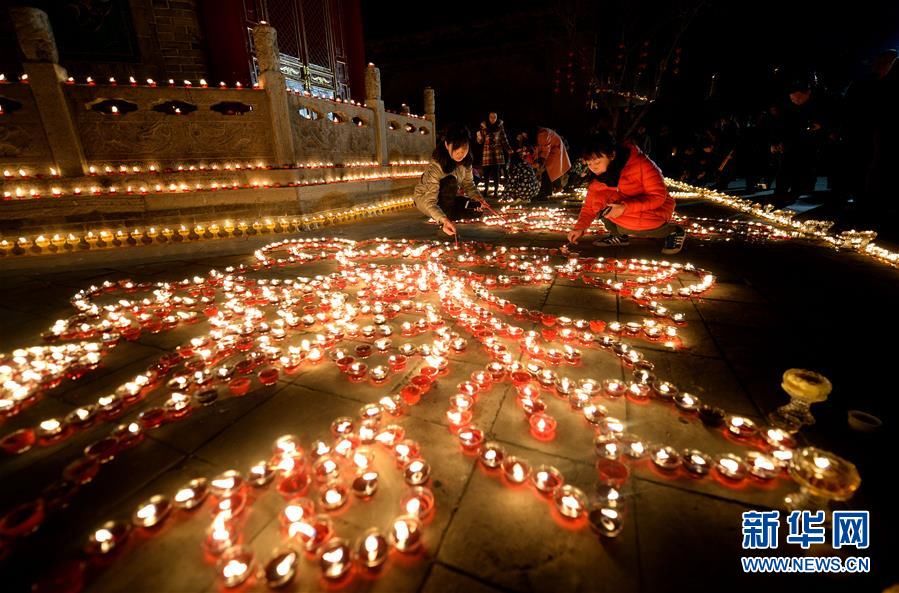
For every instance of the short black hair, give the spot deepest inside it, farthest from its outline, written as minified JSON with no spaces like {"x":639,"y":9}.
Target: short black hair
{"x":599,"y":144}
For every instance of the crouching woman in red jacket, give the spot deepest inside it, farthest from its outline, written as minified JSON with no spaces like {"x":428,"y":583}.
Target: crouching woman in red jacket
{"x":628,"y":191}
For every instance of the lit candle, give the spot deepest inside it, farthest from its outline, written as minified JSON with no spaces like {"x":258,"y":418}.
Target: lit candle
{"x":152,"y":512}
{"x":686,"y":402}
{"x":50,"y":430}
{"x":416,"y":472}
{"x":605,"y":521}
{"x":594,"y":413}
{"x":546,"y":479}
{"x":326,"y":468}
{"x":516,"y":470}
{"x":333,"y":496}
{"x":665,"y":390}
{"x":281,"y":569}
{"x":296,"y":510}
{"x":343,"y":425}
{"x":312,"y":532}
{"x":543,"y":426}
{"x":696,"y":462}
{"x":638,"y":391}
{"x":761,"y":466}
{"x":609,"y":496}
{"x":731,"y":467}
{"x":740,"y":427}
{"x":606,"y":446}
{"x":235,"y":566}
{"x":192,"y":494}
{"x":365,"y":484}
{"x":614,"y":387}
{"x":570,"y":501}
{"x":405,"y":534}
{"x":665,"y":458}
{"x":108,"y":538}
{"x":778,"y":438}
{"x":633,"y":447}
{"x":418,"y":502}
{"x":226,"y":484}
{"x":492,"y":455}
{"x":611,"y":426}
{"x":379,"y":374}
{"x":372,"y":549}
{"x":471,"y":438}
{"x":335,"y":559}
{"x":458,"y":419}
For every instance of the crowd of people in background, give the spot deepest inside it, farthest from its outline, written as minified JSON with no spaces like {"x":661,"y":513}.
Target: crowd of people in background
{"x":838,"y":143}
{"x":779,"y":155}
{"x":834,"y":145}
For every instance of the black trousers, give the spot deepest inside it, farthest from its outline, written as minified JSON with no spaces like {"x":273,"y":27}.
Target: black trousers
{"x":659,"y":232}
{"x":491,"y":172}
{"x":452,"y":204}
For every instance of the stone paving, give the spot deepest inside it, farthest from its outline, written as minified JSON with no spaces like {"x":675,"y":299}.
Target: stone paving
{"x":775,"y":306}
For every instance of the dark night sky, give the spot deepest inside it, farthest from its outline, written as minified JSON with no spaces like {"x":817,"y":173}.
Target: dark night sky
{"x":497,"y":55}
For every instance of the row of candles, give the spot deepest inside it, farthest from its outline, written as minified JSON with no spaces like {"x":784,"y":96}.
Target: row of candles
{"x":61,"y":242}
{"x":515,"y":219}
{"x":22,"y":193}
{"x":861,"y":241}
{"x":155,"y":168}
{"x":203,"y":84}
{"x":251,"y":317}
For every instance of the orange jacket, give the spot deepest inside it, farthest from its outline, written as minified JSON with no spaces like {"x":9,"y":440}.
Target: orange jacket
{"x":641,"y":189}
{"x":551,"y":149}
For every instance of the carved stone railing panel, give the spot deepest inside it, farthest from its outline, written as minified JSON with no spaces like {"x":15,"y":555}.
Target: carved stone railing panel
{"x":23,"y":142}
{"x":406,"y":145}
{"x":322,"y":139}
{"x":146,"y":134}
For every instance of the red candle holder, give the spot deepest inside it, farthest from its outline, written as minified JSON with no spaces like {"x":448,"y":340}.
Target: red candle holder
{"x":22,"y":519}
{"x":268,"y":376}
{"x":152,"y":417}
{"x":411,"y":394}
{"x":239,"y":386}
{"x":612,"y":472}
{"x":471,"y":438}
{"x":469,"y":388}
{"x":18,"y":442}
{"x":422,"y":382}
{"x":397,"y":362}
{"x":543,"y":426}
{"x":458,"y":419}
{"x":520,"y":378}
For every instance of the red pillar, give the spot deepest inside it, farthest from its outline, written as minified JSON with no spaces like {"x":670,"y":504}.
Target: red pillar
{"x":355,"y":48}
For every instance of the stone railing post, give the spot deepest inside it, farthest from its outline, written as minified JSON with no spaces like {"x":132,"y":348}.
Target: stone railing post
{"x":265,"y":40}
{"x":431,"y":112}
{"x":46,"y":76}
{"x":376,"y":104}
